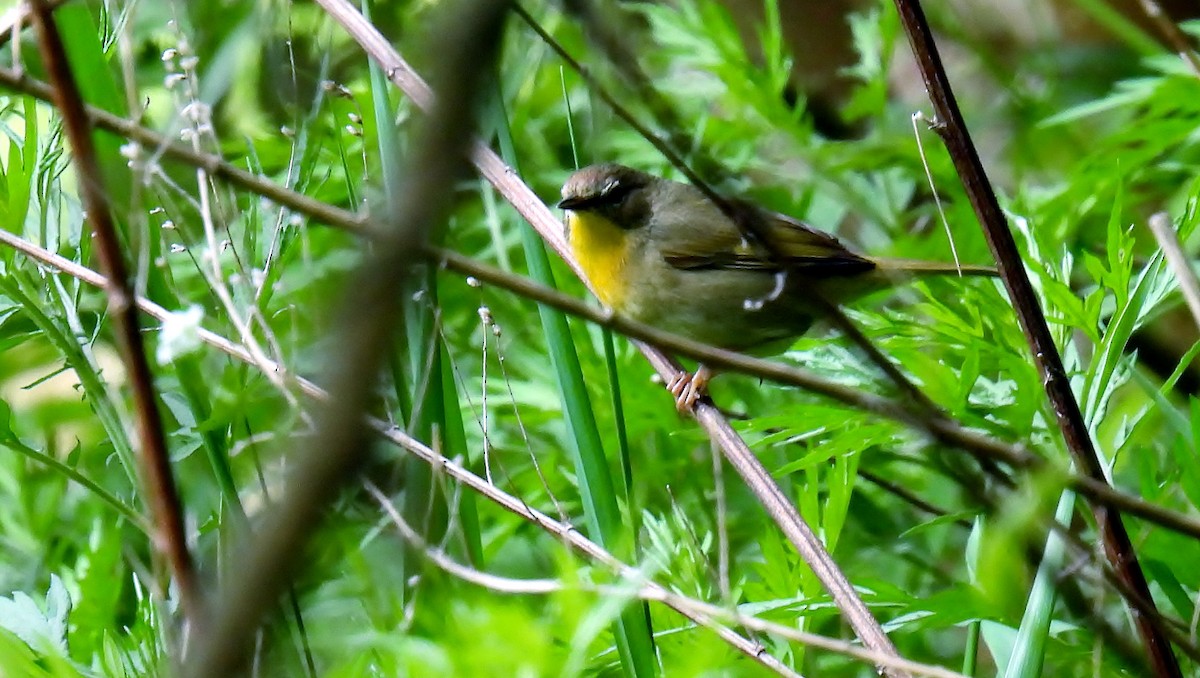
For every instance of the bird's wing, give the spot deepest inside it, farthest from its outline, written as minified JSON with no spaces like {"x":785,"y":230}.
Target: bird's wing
{"x":770,"y":242}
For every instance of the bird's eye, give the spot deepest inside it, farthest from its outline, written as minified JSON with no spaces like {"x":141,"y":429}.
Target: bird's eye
{"x":610,"y":187}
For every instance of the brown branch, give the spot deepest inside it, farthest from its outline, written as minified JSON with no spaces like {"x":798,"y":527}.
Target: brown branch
{"x":170,"y":536}
{"x":1174,"y":37}
{"x":371,"y":309}
{"x":627,"y":65}
{"x":912,"y":498}
{"x":953,"y":130}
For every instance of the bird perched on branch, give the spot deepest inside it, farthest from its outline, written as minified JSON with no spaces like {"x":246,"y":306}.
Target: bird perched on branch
{"x":725,"y":273}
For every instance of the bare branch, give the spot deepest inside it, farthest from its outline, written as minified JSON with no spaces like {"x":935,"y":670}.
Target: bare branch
{"x":170,"y":537}
{"x":1062,"y":400}
{"x":1170,"y":32}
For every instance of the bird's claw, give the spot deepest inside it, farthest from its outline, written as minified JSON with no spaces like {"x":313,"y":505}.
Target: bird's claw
{"x":688,"y":388}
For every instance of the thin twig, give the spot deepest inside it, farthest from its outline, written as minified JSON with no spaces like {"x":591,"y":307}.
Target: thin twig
{"x":13,"y":20}
{"x":911,"y":497}
{"x":721,"y":509}
{"x":1174,"y":37}
{"x":339,"y":445}
{"x":170,"y":536}
{"x":627,"y":65}
{"x":783,"y":512}
{"x":1168,"y":239}
{"x":953,"y":130}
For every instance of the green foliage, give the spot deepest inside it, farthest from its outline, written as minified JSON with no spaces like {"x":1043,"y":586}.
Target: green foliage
{"x":278,"y":89}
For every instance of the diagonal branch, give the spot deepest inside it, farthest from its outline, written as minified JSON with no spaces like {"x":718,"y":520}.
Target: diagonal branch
{"x":1066,"y":410}
{"x":170,"y":537}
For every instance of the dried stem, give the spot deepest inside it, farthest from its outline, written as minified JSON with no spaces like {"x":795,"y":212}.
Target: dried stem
{"x":170,"y":537}
{"x":1066,"y":410}
{"x":1168,"y":241}
{"x":1174,"y":37}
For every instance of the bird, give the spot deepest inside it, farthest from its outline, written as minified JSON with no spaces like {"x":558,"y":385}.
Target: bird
{"x":723,"y":272}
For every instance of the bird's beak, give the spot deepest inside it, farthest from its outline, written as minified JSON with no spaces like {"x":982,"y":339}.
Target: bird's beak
{"x":571,"y":203}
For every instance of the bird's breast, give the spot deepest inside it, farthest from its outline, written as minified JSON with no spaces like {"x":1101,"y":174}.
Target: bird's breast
{"x":602,"y":249}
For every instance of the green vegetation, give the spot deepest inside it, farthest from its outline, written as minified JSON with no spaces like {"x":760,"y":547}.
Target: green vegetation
{"x":1085,"y":140}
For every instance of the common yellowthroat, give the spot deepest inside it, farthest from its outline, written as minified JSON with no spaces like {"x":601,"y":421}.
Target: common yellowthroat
{"x":744,"y":278}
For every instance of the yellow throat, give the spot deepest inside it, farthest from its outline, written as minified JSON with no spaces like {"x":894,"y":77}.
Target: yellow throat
{"x":602,"y":248}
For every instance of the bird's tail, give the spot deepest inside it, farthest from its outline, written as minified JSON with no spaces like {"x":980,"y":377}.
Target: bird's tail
{"x":916,"y":267}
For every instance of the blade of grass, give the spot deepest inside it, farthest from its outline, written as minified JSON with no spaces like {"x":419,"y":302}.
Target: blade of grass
{"x":610,"y":359}
{"x":634,"y":637}
{"x":94,"y":386}
{"x":1029,"y":650}
{"x":441,"y":402}
{"x":971,"y":651}
{"x":126,"y":511}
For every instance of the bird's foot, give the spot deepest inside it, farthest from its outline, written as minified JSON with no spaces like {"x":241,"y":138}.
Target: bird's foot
{"x":688,"y":388}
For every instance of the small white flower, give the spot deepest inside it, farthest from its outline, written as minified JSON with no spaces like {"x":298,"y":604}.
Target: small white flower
{"x":173,"y":79}
{"x":180,"y":334}
{"x":169,"y":54}
{"x":197,"y":111}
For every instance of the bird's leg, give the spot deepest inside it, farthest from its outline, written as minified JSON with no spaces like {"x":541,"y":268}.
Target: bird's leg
{"x":688,"y":388}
